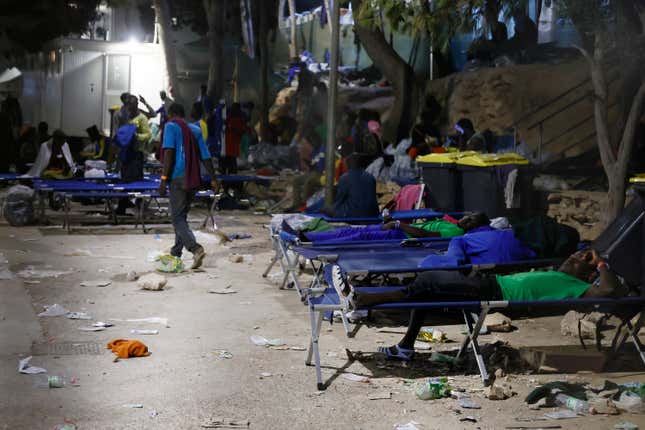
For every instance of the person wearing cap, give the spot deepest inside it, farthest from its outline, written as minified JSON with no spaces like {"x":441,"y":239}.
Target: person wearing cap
{"x":54,"y":159}
{"x":468,"y":139}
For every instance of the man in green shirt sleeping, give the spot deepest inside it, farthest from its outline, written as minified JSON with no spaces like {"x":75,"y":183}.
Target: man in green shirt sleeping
{"x":583,"y":275}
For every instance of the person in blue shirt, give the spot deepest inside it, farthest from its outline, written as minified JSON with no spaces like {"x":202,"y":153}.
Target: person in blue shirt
{"x":480,"y":245}
{"x":356,"y":192}
{"x":183,"y":149}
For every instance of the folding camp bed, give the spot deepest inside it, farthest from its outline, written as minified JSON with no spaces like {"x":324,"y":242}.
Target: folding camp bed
{"x":625,"y":308}
{"x":319,"y":254}
{"x":283,"y":243}
{"x":144,"y":191}
{"x":382,"y":262}
{"x":366,"y":270}
{"x":45,"y":186}
{"x":142,"y":199}
{"x":397,"y":215}
{"x":621,"y":245}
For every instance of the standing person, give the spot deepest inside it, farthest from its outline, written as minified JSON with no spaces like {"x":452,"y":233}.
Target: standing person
{"x":123,"y":115}
{"x":13,"y":115}
{"x":205,"y":99}
{"x":311,"y":166}
{"x":197,"y":118}
{"x":235,"y":128}
{"x":132,"y":166}
{"x":132,"y":170}
{"x":183,"y":148}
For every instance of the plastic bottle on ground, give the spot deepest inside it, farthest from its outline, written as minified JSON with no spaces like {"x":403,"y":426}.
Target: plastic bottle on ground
{"x":576,"y":405}
{"x":55,"y":381}
{"x":433,"y":388}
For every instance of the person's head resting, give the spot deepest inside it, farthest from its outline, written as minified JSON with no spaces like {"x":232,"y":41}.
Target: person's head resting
{"x":58,"y":138}
{"x":203,"y":89}
{"x":162,"y":95}
{"x":176,"y":110}
{"x":473,"y":221}
{"x":196,"y":111}
{"x":125,"y":97}
{"x":581,"y":265}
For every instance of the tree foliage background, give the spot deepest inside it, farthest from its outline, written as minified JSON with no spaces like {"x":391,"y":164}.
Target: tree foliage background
{"x":29,"y":24}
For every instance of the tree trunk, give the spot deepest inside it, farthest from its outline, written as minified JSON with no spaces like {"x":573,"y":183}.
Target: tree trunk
{"x":263,"y":43}
{"x":163,"y":18}
{"x":215,"y":17}
{"x":400,"y":75}
{"x":328,"y":12}
{"x":293,"y":45}
{"x":615,"y":165}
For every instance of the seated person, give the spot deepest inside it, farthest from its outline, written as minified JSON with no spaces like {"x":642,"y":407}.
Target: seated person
{"x":54,"y":159}
{"x":467,"y":138}
{"x":395,"y":230}
{"x":582,"y":275}
{"x":95,"y":150}
{"x":356,"y":192}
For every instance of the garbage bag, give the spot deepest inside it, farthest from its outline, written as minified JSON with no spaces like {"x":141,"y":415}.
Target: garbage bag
{"x":18,"y":207}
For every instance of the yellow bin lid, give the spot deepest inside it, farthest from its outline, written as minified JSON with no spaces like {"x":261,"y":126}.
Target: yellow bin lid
{"x":447,"y":158}
{"x":639,"y":178}
{"x":489,"y":160}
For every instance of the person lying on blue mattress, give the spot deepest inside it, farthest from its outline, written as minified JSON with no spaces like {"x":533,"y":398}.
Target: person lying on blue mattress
{"x":446,"y":227}
{"x":583,"y":275}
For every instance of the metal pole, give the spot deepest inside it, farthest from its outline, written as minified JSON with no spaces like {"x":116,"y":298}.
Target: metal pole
{"x":330,"y":150}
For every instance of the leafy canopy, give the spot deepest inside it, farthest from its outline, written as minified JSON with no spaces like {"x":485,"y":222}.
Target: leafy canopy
{"x":442,"y":19}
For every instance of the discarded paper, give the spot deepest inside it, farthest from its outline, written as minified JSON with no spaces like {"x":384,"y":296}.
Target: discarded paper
{"x":54,"y":310}
{"x":99,"y":284}
{"x":263,"y":341}
{"x":355,"y":378}
{"x":24,"y":367}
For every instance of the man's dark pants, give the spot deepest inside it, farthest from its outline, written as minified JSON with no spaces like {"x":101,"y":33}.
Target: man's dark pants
{"x":180,"y":200}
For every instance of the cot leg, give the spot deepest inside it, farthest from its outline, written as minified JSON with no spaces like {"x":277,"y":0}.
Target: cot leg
{"x":141,"y":210}
{"x":274,"y":259}
{"x":210,"y":217}
{"x":112,"y":211}
{"x":473,"y":334}
{"x":316,"y":319}
{"x":345,"y":321}
{"x":290,"y":270}
{"x":633,"y":333}
{"x":41,"y":206}
{"x":66,"y":205}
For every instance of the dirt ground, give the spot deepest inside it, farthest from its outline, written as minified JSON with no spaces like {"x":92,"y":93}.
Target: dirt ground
{"x":186,"y":381}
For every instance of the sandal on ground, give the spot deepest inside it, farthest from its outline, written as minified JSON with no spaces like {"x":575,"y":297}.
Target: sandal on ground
{"x":396,"y":353}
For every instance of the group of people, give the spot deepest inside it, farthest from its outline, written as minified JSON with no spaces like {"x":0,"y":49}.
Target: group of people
{"x":584,"y":274}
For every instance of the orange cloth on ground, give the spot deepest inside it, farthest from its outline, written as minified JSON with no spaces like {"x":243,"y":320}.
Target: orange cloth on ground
{"x":124,"y":348}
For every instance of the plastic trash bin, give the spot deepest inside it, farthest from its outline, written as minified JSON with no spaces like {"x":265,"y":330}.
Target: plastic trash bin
{"x":442,"y":179}
{"x":483,"y":181}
